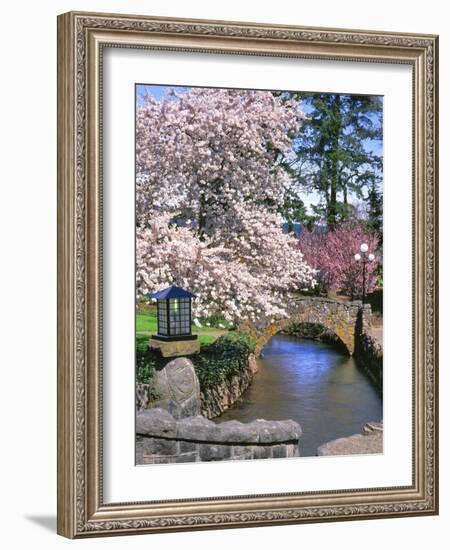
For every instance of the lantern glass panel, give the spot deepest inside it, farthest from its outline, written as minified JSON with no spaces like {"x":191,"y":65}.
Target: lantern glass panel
{"x":162,"y":318}
{"x":180,"y":316}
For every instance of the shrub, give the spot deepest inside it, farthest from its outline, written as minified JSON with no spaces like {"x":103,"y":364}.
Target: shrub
{"x":227,"y":356}
{"x":145,"y":366}
{"x":216,"y":362}
{"x":147,"y":360}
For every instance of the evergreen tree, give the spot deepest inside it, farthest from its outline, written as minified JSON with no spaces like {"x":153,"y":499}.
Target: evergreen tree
{"x":375,"y":208}
{"x":335,"y":155}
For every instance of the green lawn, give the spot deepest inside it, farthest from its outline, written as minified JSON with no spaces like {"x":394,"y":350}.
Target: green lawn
{"x":146,"y":325}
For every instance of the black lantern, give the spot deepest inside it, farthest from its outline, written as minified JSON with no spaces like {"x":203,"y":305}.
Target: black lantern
{"x":174,"y":314}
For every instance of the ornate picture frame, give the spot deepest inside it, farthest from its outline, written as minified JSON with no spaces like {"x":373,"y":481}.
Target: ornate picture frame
{"x":82,"y":38}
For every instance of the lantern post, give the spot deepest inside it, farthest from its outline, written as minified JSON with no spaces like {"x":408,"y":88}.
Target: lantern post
{"x":364,"y":258}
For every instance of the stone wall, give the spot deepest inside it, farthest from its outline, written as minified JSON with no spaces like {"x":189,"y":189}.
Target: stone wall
{"x":340,"y":318}
{"x":369,"y":355}
{"x":163,"y":439}
{"x":176,"y":389}
{"x":217,"y":400}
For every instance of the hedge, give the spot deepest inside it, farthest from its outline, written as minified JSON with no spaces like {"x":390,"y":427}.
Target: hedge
{"x":227,"y":356}
{"x":216,"y":362}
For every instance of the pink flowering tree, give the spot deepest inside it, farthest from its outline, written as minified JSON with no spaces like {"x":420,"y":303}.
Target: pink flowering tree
{"x":209,"y":183}
{"x":332,"y":254}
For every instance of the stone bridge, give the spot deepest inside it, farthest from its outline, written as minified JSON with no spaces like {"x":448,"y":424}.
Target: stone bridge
{"x":346,"y":320}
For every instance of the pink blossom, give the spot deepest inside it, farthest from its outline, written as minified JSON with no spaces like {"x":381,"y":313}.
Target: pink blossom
{"x":332,"y":253}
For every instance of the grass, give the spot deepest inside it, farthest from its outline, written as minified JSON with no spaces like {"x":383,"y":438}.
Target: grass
{"x":146,"y":325}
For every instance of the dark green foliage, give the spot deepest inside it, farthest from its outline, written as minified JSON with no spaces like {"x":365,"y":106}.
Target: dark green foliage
{"x":144,"y":369}
{"x":145,"y":366}
{"x":293,"y":209}
{"x":375,"y":299}
{"x":227,"y":356}
{"x":375,"y":210}
{"x":306,"y":330}
{"x":215,"y":363}
{"x":338,"y":153}
{"x":315,"y":331}
{"x":147,"y":360}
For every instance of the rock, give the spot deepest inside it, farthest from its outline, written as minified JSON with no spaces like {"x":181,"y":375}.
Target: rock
{"x":142,"y":396}
{"x":265,"y":451}
{"x":156,"y":423}
{"x":177,"y":348}
{"x":187,"y":446}
{"x":197,"y":428}
{"x":252,"y":364}
{"x":176,"y":388}
{"x":369,"y":442}
{"x":219,"y":399}
{"x":369,"y":355}
{"x":292,"y":450}
{"x":279,"y":451}
{"x":371,"y":427}
{"x":139,"y":455}
{"x":187,"y":457}
{"x":159,"y":447}
{"x":237,"y":432}
{"x":161,"y":439}
{"x":239,"y":452}
{"x":214,"y":452}
{"x":277,"y":430}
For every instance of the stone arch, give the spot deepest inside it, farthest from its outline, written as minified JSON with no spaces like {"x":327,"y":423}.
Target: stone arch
{"x":341,"y":318}
{"x":315,"y":331}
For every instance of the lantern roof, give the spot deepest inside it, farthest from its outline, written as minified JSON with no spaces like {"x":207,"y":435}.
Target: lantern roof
{"x":172,"y":292}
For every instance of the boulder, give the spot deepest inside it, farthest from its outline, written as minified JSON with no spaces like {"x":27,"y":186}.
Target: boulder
{"x":271,"y":431}
{"x":233,"y":431}
{"x":197,"y":428}
{"x":142,"y":396}
{"x":369,"y":442}
{"x":176,"y":389}
{"x":156,"y":423}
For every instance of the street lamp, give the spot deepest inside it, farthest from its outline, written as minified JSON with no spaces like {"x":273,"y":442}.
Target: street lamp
{"x":364,"y":258}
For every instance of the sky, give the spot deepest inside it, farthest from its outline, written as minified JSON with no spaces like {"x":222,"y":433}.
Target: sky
{"x":160,"y":91}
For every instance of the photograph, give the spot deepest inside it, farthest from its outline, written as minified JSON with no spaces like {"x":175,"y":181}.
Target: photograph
{"x":259,"y":274}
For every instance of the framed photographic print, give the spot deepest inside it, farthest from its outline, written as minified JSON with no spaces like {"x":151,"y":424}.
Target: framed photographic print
{"x":247,"y":284}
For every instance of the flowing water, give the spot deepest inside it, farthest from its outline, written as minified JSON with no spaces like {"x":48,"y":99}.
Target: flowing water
{"x":314,"y":384}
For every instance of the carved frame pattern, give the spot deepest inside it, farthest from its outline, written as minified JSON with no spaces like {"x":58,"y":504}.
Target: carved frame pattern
{"x":81,"y":511}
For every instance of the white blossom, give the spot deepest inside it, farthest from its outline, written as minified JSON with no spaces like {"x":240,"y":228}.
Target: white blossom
{"x":209,"y":183}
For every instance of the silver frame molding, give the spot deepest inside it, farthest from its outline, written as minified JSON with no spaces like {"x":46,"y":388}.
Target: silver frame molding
{"x":81,"y":510}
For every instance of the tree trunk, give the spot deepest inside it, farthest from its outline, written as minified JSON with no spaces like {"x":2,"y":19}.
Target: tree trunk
{"x":335,"y":127}
{"x":202,"y":217}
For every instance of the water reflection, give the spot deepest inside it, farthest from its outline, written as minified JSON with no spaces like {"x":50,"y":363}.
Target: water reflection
{"x":312,"y":383}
